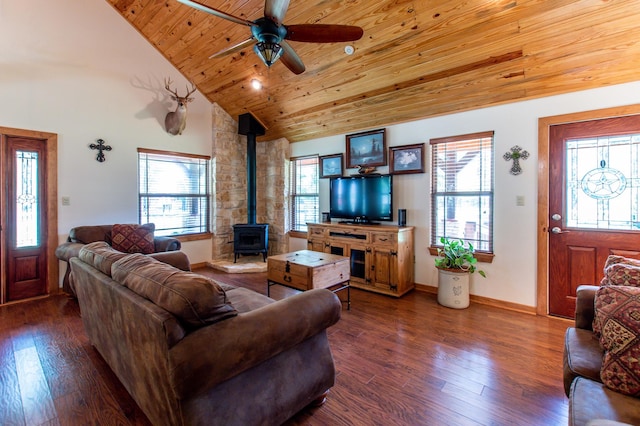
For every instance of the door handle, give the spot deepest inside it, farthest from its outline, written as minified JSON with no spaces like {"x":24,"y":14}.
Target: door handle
{"x":558,"y":230}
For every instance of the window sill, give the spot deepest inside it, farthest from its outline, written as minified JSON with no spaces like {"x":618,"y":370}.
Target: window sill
{"x":483,"y":257}
{"x":298,"y":234}
{"x":192,"y":237}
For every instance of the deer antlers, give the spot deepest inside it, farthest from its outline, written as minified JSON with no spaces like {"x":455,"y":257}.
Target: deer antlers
{"x":175,"y":121}
{"x":176,"y":97}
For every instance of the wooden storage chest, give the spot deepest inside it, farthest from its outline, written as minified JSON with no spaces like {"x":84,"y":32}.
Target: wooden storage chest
{"x":306,"y":269}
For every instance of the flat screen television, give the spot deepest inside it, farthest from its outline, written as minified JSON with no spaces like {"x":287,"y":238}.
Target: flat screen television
{"x":361,"y":199}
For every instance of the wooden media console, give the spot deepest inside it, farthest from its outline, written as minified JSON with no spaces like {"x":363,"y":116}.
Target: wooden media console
{"x":381,"y":257}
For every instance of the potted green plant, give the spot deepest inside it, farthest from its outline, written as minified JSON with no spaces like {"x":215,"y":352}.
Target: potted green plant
{"x":455,"y":263}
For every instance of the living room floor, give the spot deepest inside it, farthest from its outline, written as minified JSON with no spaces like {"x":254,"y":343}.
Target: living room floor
{"x":404,"y":361}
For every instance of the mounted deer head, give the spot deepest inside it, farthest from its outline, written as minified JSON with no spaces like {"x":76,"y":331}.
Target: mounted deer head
{"x":176,"y":121}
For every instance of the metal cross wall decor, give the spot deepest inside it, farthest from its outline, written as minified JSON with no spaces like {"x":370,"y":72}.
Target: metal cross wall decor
{"x":100,"y":146}
{"x":516,"y":153}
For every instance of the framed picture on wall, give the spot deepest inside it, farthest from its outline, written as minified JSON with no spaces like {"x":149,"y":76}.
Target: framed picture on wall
{"x":331,"y":165}
{"x":367,"y":149}
{"x":406,"y":159}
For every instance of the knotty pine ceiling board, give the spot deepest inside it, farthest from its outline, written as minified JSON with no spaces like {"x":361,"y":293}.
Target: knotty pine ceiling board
{"x":417,"y":59}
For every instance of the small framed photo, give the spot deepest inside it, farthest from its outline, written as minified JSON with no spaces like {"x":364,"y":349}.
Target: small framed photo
{"x":330,"y":165}
{"x":406,"y":159}
{"x":367,"y":149}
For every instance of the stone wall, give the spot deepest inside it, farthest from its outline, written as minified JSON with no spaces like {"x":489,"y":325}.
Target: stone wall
{"x":229,"y":180}
{"x":272,"y":174}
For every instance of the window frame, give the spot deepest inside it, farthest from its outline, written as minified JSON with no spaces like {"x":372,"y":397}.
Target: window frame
{"x":481,"y":255}
{"x":207,"y":196}
{"x":295,"y":227}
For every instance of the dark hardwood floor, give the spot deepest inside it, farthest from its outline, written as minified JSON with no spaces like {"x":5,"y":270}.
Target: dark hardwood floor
{"x":402,"y":361}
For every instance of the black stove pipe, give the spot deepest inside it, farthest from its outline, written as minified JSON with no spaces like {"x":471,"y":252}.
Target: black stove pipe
{"x":251,"y":127}
{"x":251,"y":179}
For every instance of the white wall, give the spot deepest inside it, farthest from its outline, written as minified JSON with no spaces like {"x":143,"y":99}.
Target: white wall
{"x":78,"y":69}
{"x":512,"y":275}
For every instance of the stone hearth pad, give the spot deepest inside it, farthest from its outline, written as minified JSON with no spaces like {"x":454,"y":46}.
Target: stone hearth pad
{"x":245,"y":264}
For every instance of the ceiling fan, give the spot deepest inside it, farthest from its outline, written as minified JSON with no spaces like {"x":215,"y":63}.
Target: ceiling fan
{"x":270,"y":35}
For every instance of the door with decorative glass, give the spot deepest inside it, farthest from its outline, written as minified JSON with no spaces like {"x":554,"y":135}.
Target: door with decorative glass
{"x":25,"y":237}
{"x":594,"y":203}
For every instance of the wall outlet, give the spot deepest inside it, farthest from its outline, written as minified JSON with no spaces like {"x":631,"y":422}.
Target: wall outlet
{"x":519,"y":200}
{"x":66,"y":201}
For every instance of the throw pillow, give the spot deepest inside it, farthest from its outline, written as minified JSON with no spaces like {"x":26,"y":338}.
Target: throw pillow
{"x":623,"y":274}
{"x":614,"y":259}
{"x":194,"y":299}
{"x":610,"y":268}
{"x":100,"y":255}
{"x":618,"y":270}
{"x":133,"y":238}
{"x":618,"y":312}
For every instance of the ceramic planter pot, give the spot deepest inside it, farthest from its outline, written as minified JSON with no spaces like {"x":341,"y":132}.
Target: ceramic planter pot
{"x":453,"y":288}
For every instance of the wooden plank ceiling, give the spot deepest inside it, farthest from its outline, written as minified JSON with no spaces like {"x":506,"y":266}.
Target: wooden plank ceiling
{"x":417,"y":58}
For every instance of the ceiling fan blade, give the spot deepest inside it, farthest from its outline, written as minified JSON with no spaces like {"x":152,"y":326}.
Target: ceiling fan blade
{"x":216,"y":12}
{"x":290,"y":58}
{"x":275,"y":10}
{"x":233,"y":49}
{"x":320,"y":33}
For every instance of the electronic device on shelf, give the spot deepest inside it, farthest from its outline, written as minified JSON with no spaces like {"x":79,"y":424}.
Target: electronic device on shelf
{"x":361,"y":199}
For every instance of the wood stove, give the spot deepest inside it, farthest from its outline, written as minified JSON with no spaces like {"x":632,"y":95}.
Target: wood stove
{"x":250,"y":237}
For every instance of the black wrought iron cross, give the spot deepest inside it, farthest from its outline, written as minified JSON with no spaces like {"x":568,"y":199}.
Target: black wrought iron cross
{"x":100,"y":146}
{"x":516,"y":153}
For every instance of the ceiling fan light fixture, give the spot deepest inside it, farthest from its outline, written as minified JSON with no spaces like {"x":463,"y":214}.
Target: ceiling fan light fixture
{"x":271,"y":34}
{"x":269,"y":52}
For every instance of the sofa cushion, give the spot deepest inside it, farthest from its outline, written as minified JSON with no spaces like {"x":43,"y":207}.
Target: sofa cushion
{"x":582,"y":356}
{"x":100,"y":255}
{"x":133,"y":238}
{"x":90,"y":233}
{"x":245,"y":300}
{"x":618,"y":315}
{"x":194,"y":299}
{"x":591,"y":400}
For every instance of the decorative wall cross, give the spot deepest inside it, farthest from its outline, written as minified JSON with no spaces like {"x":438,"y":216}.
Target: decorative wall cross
{"x":100,"y":146}
{"x":516,"y":154}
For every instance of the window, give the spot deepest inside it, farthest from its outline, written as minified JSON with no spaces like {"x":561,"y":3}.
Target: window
{"x":601,"y":183}
{"x":462,"y":189}
{"x":304,"y":198}
{"x":174,"y":192}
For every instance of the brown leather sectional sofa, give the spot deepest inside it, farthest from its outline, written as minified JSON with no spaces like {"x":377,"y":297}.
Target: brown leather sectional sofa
{"x":195,"y":352}
{"x":589,"y":399}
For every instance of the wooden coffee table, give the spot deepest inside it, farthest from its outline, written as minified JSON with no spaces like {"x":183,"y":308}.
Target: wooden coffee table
{"x":307,"y":269}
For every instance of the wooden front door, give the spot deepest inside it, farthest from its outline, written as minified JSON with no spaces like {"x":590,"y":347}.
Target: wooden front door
{"x":26,"y":218}
{"x":594,"y":202}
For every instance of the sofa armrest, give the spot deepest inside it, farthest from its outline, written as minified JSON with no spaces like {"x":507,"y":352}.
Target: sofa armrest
{"x":177,"y":259}
{"x":66,"y":251}
{"x":166,"y":244}
{"x":213,"y":354}
{"x":585,"y":295}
